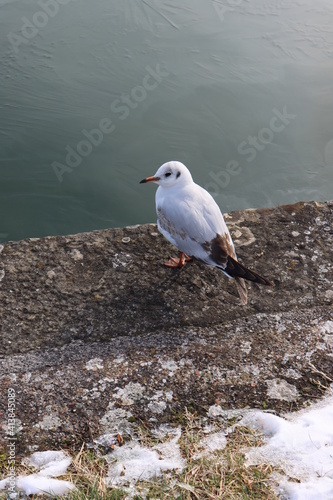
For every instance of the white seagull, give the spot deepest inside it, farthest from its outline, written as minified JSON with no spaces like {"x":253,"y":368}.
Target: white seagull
{"x":189,"y":217}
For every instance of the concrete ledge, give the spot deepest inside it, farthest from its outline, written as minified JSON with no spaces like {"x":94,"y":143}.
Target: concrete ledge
{"x":97,"y":333}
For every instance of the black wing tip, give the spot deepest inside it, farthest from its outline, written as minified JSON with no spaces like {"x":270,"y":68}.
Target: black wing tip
{"x":237,"y":270}
{"x":265,"y":281}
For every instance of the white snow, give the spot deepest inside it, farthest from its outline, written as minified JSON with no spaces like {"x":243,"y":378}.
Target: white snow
{"x":132,"y":462}
{"x":302,"y":445}
{"x":38,"y":485}
{"x":51,"y":464}
{"x":4,"y":483}
{"x":211,"y":443}
{"x":299,"y":444}
{"x":163,"y":431}
{"x":320,"y":489}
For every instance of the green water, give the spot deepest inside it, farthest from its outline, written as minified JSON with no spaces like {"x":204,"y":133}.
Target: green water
{"x":94,"y":96}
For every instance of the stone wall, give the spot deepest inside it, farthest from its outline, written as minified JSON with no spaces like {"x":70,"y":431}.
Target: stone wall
{"x":97,"y":334}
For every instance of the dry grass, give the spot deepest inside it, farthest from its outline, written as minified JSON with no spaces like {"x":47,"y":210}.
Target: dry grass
{"x":222,"y":475}
{"x":87,"y":471}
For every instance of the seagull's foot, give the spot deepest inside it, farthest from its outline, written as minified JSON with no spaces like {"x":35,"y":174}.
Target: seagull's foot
{"x":173,"y":262}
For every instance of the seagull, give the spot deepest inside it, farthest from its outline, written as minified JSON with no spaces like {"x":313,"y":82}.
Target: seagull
{"x":189,"y":217}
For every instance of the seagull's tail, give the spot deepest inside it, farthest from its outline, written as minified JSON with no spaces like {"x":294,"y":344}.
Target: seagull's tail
{"x":236,"y":270}
{"x":242,"y":290}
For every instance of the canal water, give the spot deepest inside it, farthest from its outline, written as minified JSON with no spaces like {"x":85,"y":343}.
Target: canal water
{"x":94,"y":96}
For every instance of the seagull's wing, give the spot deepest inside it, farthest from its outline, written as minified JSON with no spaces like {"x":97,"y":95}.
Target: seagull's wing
{"x":192,"y":221}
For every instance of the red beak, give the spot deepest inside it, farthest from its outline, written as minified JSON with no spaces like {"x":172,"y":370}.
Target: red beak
{"x":150,"y":179}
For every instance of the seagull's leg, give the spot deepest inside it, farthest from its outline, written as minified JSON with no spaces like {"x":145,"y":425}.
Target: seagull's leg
{"x":187,"y":258}
{"x":173,"y":262}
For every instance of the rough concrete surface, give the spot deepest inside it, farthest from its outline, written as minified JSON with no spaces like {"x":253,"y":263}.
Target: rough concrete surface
{"x":97,"y":334}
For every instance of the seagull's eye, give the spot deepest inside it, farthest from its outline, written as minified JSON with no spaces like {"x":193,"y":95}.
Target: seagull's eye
{"x":168,"y":174}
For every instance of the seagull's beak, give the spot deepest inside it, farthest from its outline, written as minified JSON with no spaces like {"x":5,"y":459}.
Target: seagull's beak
{"x":150,"y":179}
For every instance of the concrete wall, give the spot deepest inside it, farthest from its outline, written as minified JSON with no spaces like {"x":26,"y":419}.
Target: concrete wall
{"x":97,"y":333}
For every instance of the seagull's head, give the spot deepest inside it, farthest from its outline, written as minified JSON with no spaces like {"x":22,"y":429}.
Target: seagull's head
{"x":172,"y":173}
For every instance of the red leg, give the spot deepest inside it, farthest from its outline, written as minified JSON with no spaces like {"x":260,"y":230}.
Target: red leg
{"x":173,"y":262}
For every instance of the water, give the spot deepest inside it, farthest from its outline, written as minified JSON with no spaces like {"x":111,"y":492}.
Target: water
{"x":241,"y":91}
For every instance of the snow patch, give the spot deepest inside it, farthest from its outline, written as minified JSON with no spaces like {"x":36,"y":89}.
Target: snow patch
{"x":132,"y":462}
{"x":163,"y":431}
{"x":302,"y":445}
{"x":320,"y":489}
{"x":37,"y":485}
{"x":51,"y":464}
{"x":211,"y":443}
